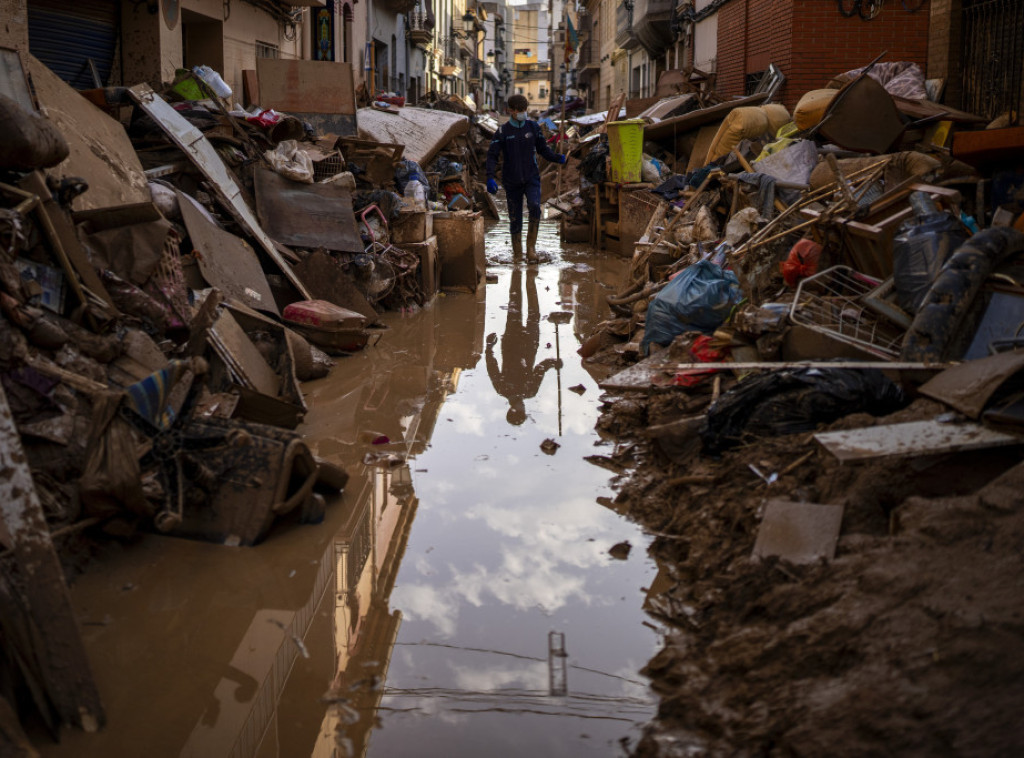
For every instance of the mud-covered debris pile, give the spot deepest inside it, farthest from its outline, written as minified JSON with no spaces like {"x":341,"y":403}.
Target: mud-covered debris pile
{"x":172,"y":267}
{"x":815,"y":369}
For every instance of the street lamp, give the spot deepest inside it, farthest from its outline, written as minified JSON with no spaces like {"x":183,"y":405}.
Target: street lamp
{"x":468,"y":22}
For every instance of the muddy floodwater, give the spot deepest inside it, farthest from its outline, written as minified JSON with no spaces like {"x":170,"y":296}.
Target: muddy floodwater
{"x":458,"y":600}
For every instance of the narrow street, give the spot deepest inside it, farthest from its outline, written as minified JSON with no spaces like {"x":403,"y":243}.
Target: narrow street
{"x":428,"y":614}
{"x":303,"y":454}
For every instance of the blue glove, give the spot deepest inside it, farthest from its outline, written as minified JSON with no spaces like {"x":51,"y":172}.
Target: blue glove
{"x":492,"y":186}
{"x":562,"y":159}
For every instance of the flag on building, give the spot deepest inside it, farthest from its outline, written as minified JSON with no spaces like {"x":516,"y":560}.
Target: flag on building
{"x":572,"y":38}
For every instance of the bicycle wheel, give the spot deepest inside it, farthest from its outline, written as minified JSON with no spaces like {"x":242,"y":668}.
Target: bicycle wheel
{"x":849,"y":8}
{"x":870,"y":9}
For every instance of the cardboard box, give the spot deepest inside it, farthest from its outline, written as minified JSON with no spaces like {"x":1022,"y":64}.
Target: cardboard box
{"x":430,"y":271}
{"x":412,"y":226}
{"x":460,"y":238}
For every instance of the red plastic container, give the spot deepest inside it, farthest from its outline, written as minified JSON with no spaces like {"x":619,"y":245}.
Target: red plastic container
{"x":323,"y":315}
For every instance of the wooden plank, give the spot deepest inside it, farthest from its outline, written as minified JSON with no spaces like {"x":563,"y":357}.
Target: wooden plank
{"x":914,"y":438}
{"x":424,"y":132}
{"x":61,"y":657}
{"x":969,"y":386}
{"x":244,"y":356}
{"x":670,"y":127}
{"x":640,"y":375}
{"x":100,"y":149}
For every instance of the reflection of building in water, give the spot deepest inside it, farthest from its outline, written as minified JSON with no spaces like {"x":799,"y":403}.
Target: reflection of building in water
{"x":336,"y":638}
{"x":368,"y":553}
{"x":243,"y":706}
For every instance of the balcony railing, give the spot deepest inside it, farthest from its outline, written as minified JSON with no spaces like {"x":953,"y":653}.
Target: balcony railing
{"x":451,"y":68}
{"x":625,"y":37}
{"x":590,"y":55}
{"x":420,"y":27}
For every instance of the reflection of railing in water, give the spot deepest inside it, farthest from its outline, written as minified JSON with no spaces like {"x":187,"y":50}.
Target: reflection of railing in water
{"x":363,"y":644}
{"x":264,"y":705}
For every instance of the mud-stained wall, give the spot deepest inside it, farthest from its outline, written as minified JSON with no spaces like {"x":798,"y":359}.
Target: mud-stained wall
{"x":206,"y":33}
{"x":14,"y":24}
{"x":150,"y":51}
{"x":247,"y":27}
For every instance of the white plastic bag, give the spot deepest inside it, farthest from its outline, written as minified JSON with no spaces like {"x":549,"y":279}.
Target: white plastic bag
{"x":288,"y":160}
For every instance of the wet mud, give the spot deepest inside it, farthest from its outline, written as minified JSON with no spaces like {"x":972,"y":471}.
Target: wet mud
{"x":908,"y":643}
{"x":462,"y":597}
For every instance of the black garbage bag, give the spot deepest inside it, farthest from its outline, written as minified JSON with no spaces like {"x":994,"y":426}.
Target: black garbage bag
{"x":388,"y":202}
{"x":592,"y":167}
{"x":794,"y":401}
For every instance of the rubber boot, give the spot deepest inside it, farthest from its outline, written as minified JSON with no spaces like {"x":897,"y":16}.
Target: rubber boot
{"x":517,"y":247}
{"x":531,"y":240}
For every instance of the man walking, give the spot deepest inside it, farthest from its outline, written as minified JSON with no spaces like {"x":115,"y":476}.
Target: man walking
{"x":518,"y":141}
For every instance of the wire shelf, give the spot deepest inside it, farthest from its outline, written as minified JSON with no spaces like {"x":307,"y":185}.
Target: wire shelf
{"x":833,"y":302}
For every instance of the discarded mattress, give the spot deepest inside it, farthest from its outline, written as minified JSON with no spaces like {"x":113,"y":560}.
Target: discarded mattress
{"x":424,"y":132}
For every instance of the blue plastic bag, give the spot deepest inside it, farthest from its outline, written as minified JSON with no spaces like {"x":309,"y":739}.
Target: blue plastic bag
{"x":699,"y":299}
{"x":410,"y":171}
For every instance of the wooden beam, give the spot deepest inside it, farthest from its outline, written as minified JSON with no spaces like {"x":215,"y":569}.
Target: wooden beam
{"x":64,"y":666}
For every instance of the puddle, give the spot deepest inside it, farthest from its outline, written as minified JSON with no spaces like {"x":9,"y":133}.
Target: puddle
{"x":459,"y":599}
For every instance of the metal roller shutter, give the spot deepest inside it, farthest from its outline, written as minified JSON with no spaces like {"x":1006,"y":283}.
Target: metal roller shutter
{"x":67,"y":35}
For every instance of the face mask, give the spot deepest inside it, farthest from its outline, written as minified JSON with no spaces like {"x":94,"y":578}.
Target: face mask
{"x":519,"y":116}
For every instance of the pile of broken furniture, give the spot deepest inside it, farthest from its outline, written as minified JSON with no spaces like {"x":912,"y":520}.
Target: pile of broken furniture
{"x":863,"y":255}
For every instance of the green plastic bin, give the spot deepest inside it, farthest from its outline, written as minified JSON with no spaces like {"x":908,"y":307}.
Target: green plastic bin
{"x":626,"y":150}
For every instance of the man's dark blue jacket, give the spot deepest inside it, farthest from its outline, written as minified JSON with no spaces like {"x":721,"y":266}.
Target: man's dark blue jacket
{"x":519,"y":147}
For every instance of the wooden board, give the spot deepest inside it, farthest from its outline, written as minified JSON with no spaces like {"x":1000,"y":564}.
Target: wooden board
{"x":318,"y":92}
{"x":969,"y":386}
{"x":48,"y":619}
{"x":670,"y":127}
{"x":101,"y":152}
{"x":798,"y":532}
{"x":227,"y":262}
{"x":307,"y":215}
{"x":914,"y":438}
{"x":306,"y":86}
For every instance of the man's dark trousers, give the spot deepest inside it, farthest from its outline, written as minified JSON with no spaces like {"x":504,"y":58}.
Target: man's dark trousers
{"x":514,"y":196}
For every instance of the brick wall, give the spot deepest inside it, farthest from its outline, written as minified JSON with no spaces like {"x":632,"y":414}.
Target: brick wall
{"x":811,"y":42}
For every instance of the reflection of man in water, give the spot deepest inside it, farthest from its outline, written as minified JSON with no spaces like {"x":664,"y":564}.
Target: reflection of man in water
{"x":518,"y":378}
